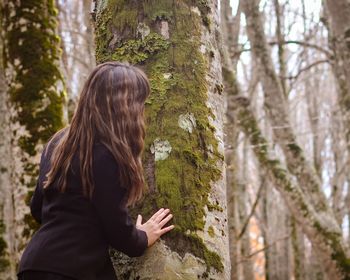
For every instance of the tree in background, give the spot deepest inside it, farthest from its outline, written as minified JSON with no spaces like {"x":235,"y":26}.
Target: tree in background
{"x":174,"y":43}
{"x":317,"y":217}
{"x":337,"y":19}
{"x":78,"y":52}
{"x":34,"y":98}
{"x":286,"y":167}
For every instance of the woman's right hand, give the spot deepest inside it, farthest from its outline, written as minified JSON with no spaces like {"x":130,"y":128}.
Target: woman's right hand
{"x":154,"y":226}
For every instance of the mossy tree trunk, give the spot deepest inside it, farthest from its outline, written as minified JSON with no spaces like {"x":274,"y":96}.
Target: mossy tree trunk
{"x":298,"y":244}
{"x":35,"y":98}
{"x":7,"y":268}
{"x":174,"y":42}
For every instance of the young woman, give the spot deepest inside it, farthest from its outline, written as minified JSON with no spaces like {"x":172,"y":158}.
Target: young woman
{"x":90,"y":172}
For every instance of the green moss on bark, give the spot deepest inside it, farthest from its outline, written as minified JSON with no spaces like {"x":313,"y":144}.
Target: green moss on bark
{"x":31,"y":48}
{"x":177,"y":72}
{"x":139,"y":50}
{"x":211,"y":231}
{"x":4,"y":262}
{"x":334,"y":240}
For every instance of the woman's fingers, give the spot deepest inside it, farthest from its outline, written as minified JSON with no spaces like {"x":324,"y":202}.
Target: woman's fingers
{"x":154,"y":226}
{"x":161,"y":215}
{"x":165,"y":220}
{"x":166,"y":229}
{"x":155,"y":215}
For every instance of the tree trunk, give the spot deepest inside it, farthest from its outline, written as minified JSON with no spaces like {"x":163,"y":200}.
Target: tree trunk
{"x":7,"y":267}
{"x":78,"y":60}
{"x":174,"y":42}
{"x":298,"y":251}
{"x":230,"y":29}
{"x":281,"y":51}
{"x":35,"y":98}
{"x":232,"y":199}
{"x":242,"y":199}
{"x":338,"y":14}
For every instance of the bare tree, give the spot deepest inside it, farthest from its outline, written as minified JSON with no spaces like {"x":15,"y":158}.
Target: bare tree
{"x":78,"y":60}
{"x":230,"y":26}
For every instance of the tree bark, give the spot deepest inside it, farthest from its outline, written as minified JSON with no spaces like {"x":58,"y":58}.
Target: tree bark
{"x":298,"y":252}
{"x":338,"y":15}
{"x":7,"y":267}
{"x":276,"y":236}
{"x":248,"y":269}
{"x":35,"y":105}
{"x":230,"y":27}
{"x":281,"y":51}
{"x":174,"y":42}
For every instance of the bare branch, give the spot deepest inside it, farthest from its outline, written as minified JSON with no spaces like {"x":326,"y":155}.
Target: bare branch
{"x":264,"y":248}
{"x":255,"y":204}
{"x":328,"y":53}
{"x":306,"y":69}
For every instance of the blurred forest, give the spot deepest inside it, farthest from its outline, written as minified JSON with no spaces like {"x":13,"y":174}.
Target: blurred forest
{"x":248,"y":127}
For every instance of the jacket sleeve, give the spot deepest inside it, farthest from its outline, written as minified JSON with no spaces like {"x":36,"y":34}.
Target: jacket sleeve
{"x":108,"y":199}
{"x":36,"y":201}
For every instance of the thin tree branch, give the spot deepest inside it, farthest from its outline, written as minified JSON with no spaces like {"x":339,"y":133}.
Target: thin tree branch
{"x":328,"y":53}
{"x":263,"y":249}
{"x":255,"y":204}
{"x":306,"y":69}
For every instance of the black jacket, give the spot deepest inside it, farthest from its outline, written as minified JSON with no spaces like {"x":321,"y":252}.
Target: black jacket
{"x":76,"y":232}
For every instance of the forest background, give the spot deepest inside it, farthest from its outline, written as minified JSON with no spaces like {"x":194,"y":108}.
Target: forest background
{"x":248,"y":127}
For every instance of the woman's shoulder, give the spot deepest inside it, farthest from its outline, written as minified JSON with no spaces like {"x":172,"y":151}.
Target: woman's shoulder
{"x":55,"y":139}
{"x":59,"y":134}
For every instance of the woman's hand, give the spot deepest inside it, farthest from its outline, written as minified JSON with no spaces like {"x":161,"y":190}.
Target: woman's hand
{"x":154,"y":226}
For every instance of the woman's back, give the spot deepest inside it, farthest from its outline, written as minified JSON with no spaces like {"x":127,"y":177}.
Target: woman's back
{"x":75,"y":233}
{"x":84,"y":185}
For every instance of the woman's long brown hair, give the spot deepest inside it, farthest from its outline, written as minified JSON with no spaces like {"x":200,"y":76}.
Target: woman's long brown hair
{"x":110,"y":109}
